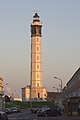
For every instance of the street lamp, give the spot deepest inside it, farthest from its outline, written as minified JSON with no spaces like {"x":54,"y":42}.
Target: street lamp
{"x":60,"y":81}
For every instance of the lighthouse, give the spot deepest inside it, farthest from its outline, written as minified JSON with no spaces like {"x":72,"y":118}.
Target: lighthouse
{"x":37,"y":89}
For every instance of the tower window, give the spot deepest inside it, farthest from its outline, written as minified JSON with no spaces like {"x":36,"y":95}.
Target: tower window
{"x":37,"y":75}
{"x":37,"y":66}
{"x":37,"y":40}
{"x":37,"y":57}
{"x":37,"y":84}
{"x":37,"y":48}
{"x":37,"y":30}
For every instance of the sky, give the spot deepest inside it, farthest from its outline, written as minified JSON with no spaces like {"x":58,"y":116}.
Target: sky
{"x":60,"y":41}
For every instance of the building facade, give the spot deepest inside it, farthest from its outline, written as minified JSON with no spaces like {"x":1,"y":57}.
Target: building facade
{"x":71,"y":94}
{"x":1,"y":95}
{"x":26,"y":93}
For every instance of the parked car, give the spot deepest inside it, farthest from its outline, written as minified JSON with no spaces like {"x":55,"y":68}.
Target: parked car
{"x":52,"y":112}
{"x":7,"y":111}
{"x":3,"y":116}
{"x":59,"y":111}
{"x":48,"y":112}
{"x":41,"y":112}
{"x":15,"y":110}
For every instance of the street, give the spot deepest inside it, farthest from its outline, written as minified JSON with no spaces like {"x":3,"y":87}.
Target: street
{"x":26,"y":115}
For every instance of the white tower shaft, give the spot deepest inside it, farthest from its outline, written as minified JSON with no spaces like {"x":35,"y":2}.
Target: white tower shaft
{"x":36,"y":61}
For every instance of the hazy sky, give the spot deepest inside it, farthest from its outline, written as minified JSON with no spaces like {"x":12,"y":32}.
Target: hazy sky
{"x":61,"y":41}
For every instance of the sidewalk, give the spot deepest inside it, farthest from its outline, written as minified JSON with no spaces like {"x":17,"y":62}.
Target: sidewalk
{"x":67,"y":117}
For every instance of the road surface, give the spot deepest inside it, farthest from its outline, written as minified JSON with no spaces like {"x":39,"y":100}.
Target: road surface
{"x":26,"y":115}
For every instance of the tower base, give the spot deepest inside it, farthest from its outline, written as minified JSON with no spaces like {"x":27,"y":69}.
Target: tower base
{"x":39,"y":92}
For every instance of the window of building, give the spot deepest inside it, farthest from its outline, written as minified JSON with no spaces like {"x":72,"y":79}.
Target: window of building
{"x":37,"y":39}
{"x":37,"y":48}
{"x":37,"y":30}
{"x":37,"y":66}
{"x":37,"y":57}
{"x":37,"y":84}
{"x":37,"y":75}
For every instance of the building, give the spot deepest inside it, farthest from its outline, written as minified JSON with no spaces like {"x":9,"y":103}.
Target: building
{"x":71,"y":94}
{"x":1,"y":86}
{"x":26,"y":93}
{"x":1,"y":95}
{"x":35,"y":90}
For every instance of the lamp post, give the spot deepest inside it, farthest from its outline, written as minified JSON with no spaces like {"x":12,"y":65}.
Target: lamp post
{"x":60,"y":81}
{"x":30,"y":98}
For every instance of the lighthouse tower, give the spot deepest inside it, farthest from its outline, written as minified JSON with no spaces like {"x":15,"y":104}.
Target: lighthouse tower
{"x":37,"y":89}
